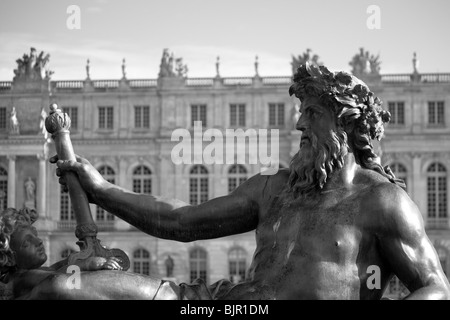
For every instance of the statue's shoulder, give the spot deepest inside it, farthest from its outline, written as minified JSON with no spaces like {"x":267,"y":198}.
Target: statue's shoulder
{"x":377,"y":185}
{"x":262,"y":184}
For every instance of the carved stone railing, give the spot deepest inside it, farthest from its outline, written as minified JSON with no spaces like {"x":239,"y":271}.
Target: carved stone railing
{"x":437,"y":223}
{"x":66,"y":225}
{"x":435,"y":77}
{"x":105,"y":225}
{"x":5,"y":85}
{"x":396,"y":78}
{"x":69,"y":84}
{"x":102,"y":85}
{"x":105,"y":83}
{"x":237,"y":81}
{"x":276,"y":81}
{"x":199,"y":82}
{"x":424,"y":78}
{"x":143,"y":83}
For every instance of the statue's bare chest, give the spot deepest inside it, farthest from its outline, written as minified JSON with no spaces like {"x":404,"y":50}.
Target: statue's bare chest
{"x":330,"y":229}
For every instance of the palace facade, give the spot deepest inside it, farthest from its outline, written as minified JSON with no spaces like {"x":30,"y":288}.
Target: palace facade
{"x":124,"y":128}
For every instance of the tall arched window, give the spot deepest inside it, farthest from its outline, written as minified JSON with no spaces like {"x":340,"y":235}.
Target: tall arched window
{"x":109,"y":175}
{"x":198,"y":260}
{"x":198,"y":185}
{"x":437,"y":196}
{"x":237,"y":262}
{"x":142,"y":180}
{"x":399,"y":171}
{"x":3,"y":189}
{"x":66,"y":209}
{"x":141,"y":261}
{"x":236,"y":175}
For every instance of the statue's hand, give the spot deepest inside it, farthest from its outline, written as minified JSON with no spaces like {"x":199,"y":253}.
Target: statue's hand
{"x":91,"y":180}
{"x":112,"y":263}
{"x":100,"y":263}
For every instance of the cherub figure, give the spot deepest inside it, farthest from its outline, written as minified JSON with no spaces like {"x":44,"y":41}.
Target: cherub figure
{"x":22,"y":254}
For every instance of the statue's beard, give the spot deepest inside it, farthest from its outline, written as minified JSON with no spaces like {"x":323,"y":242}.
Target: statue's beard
{"x":312,"y":166}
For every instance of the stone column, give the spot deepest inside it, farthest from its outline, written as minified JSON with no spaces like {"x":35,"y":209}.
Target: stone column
{"x":41,"y":190}
{"x":122,"y":164}
{"x":11,"y":181}
{"x":419,"y":192}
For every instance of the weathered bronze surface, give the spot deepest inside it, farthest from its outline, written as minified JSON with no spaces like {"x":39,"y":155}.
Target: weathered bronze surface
{"x":325,"y":228}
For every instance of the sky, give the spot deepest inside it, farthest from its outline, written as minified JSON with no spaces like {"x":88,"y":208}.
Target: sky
{"x":199,"y":31}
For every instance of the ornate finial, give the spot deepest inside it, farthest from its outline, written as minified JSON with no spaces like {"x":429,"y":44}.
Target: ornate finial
{"x":88,"y":76}
{"x":256,"y":66}
{"x":123,"y":69}
{"x":217,"y":67}
{"x":57,"y":121}
{"x":415,"y":63}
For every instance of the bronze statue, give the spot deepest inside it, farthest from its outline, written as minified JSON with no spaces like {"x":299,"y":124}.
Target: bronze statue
{"x":335,"y":225}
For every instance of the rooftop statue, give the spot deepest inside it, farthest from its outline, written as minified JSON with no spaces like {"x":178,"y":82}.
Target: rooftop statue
{"x":32,"y":66}
{"x":171,"y":66}
{"x":363,"y":63}
{"x":335,"y":225}
{"x":303,"y":59}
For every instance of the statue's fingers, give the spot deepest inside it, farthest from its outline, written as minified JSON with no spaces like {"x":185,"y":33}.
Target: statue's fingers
{"x":116,"y":259}
{"x":107,"y":266}
{"x":58,"y":172}
{"x":115,"y":264}
{"x":62,"y":181}
{"x":53,"y":159}
{"x":67,"y":165}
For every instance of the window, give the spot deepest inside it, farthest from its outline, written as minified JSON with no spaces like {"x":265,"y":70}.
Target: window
{"x":399,"y":171}
{"x":236,"y":175}
{"x":198,"y":113}
{"x":237,"y":262}
{"x":198,"y":264}
{"x":437,"y":195}
{"x":142,"y":180}
{"x":105,"y":117}
{"x":436,"y":113}
{"x":237,"y":115}
{"x":3,"y":189}
{"x":73,"y":115}
{"x":109,"y":175}
{"x":66,"y":253}
{"x":276,"y":114}
{"x":141,"y":261}
{"x":142,"y":117}
{"x":397,"y":111}
{"x":198,"y":185}
{"x":3,"y":122}
{"x":66,"y":210}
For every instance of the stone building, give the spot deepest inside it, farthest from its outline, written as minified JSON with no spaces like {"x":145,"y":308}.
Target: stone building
{"x":124,"y":128}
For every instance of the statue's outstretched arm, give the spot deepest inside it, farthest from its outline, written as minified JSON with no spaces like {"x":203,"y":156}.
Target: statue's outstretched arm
{"x":170,"y":218}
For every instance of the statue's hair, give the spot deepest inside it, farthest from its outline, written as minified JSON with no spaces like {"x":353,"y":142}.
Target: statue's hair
{"x":12,"y":220}
{"x":358,"y":111}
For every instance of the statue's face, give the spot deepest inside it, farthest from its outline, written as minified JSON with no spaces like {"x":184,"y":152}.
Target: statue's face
{"x":316,"y":119}
{"x":28,"y":247}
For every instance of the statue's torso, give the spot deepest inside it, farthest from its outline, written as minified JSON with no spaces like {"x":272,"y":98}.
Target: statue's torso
{"x":321,"y":250}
